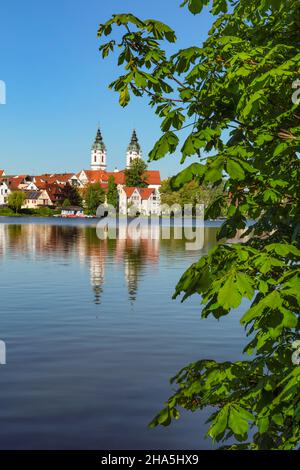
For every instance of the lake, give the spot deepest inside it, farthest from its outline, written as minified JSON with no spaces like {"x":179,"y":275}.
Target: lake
{"x":93,"y":336}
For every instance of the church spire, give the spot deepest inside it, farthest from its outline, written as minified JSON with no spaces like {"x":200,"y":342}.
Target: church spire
{"x":99,"y":141}
{"x":98,"y":155}
{"x":134,"y":143}
{"x":133,"y":149}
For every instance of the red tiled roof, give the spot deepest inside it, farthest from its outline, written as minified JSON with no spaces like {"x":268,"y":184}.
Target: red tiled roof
{"x":100,"y":176}
{"x":129,"y":191}
{"x":54,"y":190}
{"x":1,"y":172}
{"x":39,"y":182}
{"x":15,"y":181}
{"x":56,"y":177}
{"x":146,"y":192}
{"x":93,"y":176}
{"x":96,"y":176}
{"x":153,"y":177}
{"x":119,"y":177}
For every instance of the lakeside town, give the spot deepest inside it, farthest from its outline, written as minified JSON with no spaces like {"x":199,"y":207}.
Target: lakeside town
{"x":148,"y":316}
{"x":79,"y":194}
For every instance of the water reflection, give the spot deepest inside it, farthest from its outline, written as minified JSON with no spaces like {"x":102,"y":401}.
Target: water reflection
{"x":93,"y":336}
{"x":82,"y":243}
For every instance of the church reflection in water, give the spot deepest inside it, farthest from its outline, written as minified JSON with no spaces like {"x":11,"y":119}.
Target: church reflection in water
{"x":132,"y":254}
{"x":81,"y":243}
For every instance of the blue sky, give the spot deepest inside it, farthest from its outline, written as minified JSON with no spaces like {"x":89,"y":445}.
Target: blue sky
{"x":57,"y":83}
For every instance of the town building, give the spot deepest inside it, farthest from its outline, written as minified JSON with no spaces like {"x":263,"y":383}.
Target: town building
{"x":4,"y":193}
{"x":48,"y":189}
{"x":144,"y":201}
{"x":36,"y":199}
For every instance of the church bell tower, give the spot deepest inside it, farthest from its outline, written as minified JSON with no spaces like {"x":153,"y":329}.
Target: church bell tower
{"x":134,"y":150}
{"x":98,"y":154}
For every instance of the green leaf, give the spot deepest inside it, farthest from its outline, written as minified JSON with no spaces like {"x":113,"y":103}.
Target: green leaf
{"x":229,"y":295}
{"x":166,"y":144}
{"x":280,"y":148}
{"x":219,"y":6}
{"x":263,"y":287}
{"x":212,"y":175}
{"x":262,"y":138}
{"x":271,"y":301}
{"x":195,"y":6}
{"x":219,"y":424}
{"x":245,"y":285}
{"x":271,"y":195}
{"x":235,"y":170}
{"x":237,"y":423}
{"x":278,"y":419}
{"x":124,"y":97}
{"x":289,"y":319}
{"x":263,"y":424}
{"x":195,"y":170}
{"x":253,"y":104}
{"x":140,"y":80}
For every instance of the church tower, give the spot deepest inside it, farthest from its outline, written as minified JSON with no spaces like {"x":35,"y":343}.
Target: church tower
{"x":133,"y":150}
{"x":98,"y":155}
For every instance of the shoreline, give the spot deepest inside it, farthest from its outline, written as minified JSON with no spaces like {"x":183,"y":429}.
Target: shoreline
{"x":92,"y":222}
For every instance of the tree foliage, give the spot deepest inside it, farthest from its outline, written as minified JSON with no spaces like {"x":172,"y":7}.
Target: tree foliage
{"x":112,"y":192}
{"x":94,"y":196}
{"x":71,"y":194}
{"x":189,"y":193}
{"x":16,"y":200}
{"x":234,"y":93}
{"x":66,"y":203}
{"x":135,"y":174}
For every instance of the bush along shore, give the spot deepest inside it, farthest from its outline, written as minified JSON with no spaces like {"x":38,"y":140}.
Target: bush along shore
{"x":39,"y":212}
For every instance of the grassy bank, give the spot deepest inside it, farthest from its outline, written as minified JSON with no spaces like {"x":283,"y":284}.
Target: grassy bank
{"x":40,"y":212}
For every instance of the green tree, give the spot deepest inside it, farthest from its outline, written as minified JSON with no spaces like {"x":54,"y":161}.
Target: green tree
{"x":94,"y":196}
{"x":189,"y":193}
{"x":16,"y":200}
{"x":66,"y":203}
{"x":235,"y":94}
{"x":168,"y":195}
{"x":135,"y":174}
{"x":72,"y":194}
{"x":112,"y":193}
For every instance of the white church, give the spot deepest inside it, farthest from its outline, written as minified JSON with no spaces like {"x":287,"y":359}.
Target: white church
{"x":145,"y":200}
{"x":99,"y":153}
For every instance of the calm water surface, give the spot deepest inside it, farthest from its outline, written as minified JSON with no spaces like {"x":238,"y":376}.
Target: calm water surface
{"x":93,"y":337}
